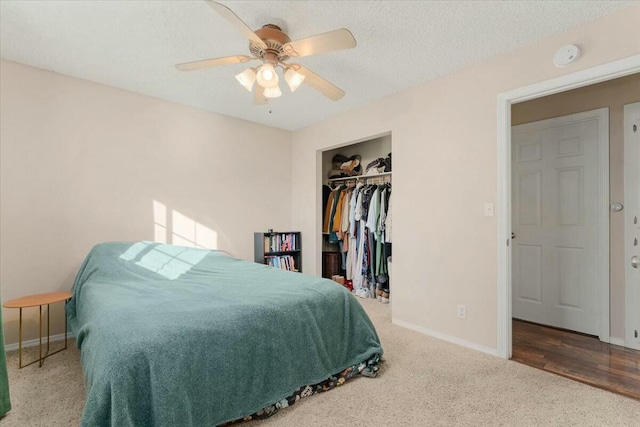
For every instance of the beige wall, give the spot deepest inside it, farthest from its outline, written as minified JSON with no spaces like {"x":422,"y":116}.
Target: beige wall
{"x":444,"y":170}
{"x":82,"y":163}
{"x":613,"y":94}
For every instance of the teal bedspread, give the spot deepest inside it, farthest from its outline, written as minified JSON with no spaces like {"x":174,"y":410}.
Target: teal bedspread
{"x":5,"y":401}
{"x":174,"y":336}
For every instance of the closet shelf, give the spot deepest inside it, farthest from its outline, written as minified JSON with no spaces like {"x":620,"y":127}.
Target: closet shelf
{"x":346,"y":178}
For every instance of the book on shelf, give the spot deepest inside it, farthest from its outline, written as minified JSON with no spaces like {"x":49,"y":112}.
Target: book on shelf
{"x":279,"y":249}
{"x":282,"y":242}
{"x":285,"y":262}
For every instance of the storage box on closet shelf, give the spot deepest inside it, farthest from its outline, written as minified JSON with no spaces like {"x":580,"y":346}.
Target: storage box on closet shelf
{"x":379,"y":165}
{"x":345,"y":167}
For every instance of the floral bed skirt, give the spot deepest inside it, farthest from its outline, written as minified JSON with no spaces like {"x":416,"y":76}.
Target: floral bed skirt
{"x":368,"y":368}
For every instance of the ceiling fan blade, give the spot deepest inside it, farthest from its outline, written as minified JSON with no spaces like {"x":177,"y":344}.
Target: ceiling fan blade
{"x":326,"y":42}
{"x":320,"y":84}
{"x":258,"y":96}
{"x":214,"y":62}
{"x":233,"y":19}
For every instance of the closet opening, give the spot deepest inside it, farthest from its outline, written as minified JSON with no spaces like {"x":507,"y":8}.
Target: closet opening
{"x":355,"y":211}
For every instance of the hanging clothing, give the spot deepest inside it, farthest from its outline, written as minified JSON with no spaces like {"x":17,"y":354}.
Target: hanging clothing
{"x":357,"y":218}
{"x":343,"y":226}
{"x":326,"y":192}
{"x":327,"y":212}
{"x":352,"y":259}
{"x":381,"y":264}
{"x":374,"y":211}
{"x":383,"y":210}
{"x":343,"y":232}
{"x":358,"y":277}
{"x":333,"y":237}
{"x":372,"y":226}
{"x":346,"y":211}
{"x":388,"y":222}
{"x":336,"y":222}
{"x":352,"y":210}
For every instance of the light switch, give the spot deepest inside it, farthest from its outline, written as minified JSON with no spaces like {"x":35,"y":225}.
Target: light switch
{"x":488,"y":209}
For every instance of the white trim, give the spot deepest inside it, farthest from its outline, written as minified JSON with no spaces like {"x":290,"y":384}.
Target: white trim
{"x":590,"y":76}
{"x":503,"y":212}
{"x":597,"y":74}
{"x":631,"y":189}
{"x":36,"y":342}
{"x":445,"y":337}
{"x":604,"y":266}
{"x":616,"y":341}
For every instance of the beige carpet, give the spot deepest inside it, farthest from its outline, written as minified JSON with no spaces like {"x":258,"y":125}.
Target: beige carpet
{"x":422,"y":382}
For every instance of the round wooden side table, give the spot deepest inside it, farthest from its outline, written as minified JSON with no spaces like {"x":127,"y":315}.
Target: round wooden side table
{"x":33,"y":301}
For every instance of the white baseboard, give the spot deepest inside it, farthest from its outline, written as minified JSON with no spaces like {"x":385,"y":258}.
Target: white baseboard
{"x":445,"y":337}
{"x":616,"y":341}
{"x":36,"y":342}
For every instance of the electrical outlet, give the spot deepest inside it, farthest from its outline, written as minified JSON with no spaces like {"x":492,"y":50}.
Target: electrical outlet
{"x":462,"y":311}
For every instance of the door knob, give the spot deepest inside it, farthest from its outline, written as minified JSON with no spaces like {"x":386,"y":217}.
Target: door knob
{"x":635,"y":261}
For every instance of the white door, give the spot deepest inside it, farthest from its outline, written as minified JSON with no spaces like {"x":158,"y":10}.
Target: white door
{"x":556,"y":214}
{"x":632,"y":223}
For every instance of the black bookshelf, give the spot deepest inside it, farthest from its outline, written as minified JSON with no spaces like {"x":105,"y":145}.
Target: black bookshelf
{"x":280,"y":249}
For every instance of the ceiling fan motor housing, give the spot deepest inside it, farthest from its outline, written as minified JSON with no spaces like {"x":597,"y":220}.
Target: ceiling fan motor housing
{"x":275,"y":39}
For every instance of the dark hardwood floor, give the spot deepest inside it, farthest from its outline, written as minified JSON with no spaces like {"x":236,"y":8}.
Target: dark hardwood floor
{"x":577,"y":356}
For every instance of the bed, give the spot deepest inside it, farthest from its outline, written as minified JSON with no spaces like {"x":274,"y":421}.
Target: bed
{"x":171,"y":336}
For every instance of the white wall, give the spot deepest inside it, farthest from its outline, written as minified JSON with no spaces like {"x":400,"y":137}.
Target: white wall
{"x":444,"y":170}
{"x":82,"y":163}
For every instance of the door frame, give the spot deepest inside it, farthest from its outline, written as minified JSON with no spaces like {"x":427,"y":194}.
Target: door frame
{"x":631,"y":293}
{"x":601,"y":115}
{"x":586,"y":77}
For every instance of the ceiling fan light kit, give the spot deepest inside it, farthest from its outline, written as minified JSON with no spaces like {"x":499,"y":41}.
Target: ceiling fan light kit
{"x":272,"y":92}
{"x":267,"y":76}
{"x":247,"y":78}
{"x":293,"y":78}
{"x":274,"y":48}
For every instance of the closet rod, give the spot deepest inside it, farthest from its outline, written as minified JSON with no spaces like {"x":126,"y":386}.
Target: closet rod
{"x":367,"y":179}
{"x":373,"y":175}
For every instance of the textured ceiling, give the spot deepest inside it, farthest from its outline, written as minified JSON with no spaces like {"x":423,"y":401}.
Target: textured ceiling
{"x":134,"y":45}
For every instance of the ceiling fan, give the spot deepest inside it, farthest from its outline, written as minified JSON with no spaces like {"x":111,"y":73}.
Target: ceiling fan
{"x":274,"y":49}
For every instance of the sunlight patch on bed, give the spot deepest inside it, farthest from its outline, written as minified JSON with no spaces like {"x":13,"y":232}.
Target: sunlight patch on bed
{"x":134,"y":251}
{"x":167,"y":260}
{"x":171,"y":261}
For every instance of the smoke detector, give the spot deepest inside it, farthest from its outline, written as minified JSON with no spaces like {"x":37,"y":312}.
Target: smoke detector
{"x":566,"y":55}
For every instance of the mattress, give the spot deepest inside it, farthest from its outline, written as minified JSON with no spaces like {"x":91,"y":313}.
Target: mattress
{"x":171,"y":335}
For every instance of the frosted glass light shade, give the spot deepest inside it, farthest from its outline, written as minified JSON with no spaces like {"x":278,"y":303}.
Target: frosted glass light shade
{"x":267,"y":76}
{"x":272,"y":92}
{"x":247,"y":78}
{"x":293,"y":79}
